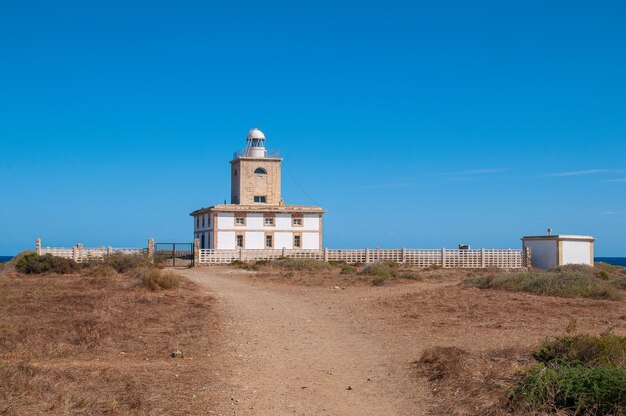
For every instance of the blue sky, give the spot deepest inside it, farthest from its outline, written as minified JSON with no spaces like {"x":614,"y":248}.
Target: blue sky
{"x":416,"y":124}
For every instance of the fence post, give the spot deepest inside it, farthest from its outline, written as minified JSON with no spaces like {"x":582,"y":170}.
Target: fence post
{"x":75,"y":252}
{"x":443,"y":257}
{"x":527,"y":257}
{"x":240,"y":253}
{"x":367,"y":255}
{"x":284,"y":253}
{"x":482,"y":258}
{"x":38,"y":246}
{"x":403,"y":255}
{"x":196,"y":251}
{"x":150,"y":250}
{"x":326,"y":255}
{"x":109,"y":250}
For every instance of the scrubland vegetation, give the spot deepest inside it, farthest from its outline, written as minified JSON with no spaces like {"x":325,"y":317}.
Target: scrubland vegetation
{"x":578,"y":373}
{"x":566,"y":281}
{"x":134,"y":266}
{"x":96,"y":338}
{"x":571,"y":375}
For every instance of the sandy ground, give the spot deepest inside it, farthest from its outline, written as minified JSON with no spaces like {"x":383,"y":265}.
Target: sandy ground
{"x":292,"y":349}
{"x":303,"y":351}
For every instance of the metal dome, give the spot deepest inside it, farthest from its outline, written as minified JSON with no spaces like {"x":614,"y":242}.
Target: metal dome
{"x":256,"y":134}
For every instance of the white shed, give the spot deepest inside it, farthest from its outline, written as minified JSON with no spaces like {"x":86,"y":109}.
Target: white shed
{"x":549,"y":251}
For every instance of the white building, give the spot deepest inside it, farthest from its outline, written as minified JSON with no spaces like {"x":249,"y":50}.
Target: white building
{"x":257,"y":217}
{"x":549,"y":251}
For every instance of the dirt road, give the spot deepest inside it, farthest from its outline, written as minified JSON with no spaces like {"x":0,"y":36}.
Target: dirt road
{"x":303,"y":351}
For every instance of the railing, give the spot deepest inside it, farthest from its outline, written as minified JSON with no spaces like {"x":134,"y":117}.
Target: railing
{"x":81,"y":254}
{"x":242,"y":153}
{"x":461,"y":259}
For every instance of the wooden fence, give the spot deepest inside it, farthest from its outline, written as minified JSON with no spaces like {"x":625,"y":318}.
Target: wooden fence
{"x":462,"y":259}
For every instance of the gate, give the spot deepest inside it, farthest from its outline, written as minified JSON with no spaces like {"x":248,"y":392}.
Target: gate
{"x":174,"y":254}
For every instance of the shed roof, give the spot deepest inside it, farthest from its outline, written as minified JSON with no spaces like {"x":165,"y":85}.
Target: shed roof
{"x":570,"y":237}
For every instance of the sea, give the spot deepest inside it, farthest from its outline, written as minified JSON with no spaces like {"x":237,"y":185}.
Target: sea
{"x":616,"y":261}
{"x":5,"y":258}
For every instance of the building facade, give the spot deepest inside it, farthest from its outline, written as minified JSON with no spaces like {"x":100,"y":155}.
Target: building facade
{"x":549,"y":251}
{"x":257,"y":217}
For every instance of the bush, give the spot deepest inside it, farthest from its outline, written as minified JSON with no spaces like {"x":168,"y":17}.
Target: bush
{"x":619,"y":283}
{"x":378,"y":269}
{"x":125,"y":262}
{"x":379,"y":281}
{"x":155,"y":279}
{"x":100,"y":270}
{"x":347,"y":269}
{"x":33,"y":263}
{"x":595,"y":390}
{"x":571,"y":350}
{"x":410,"y":276}
{"x":582,"y":373}
{"x":297,"y":264}
{"x":568,"y":281}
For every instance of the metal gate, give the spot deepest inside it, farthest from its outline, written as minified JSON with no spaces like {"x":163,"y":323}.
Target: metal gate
{"x":174,"y":254}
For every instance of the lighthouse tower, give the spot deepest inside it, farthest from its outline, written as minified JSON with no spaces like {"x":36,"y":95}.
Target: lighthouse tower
{"x":257,"y":217}
{"x":255,"y":177}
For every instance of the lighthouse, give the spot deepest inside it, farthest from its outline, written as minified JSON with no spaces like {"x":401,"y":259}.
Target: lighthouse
{"x":257,"y":218}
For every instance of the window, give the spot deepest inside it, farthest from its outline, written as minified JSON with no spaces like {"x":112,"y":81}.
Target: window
{"x":269,"y":243}
{"x":268,"y":221}
{"x":203,"y":224}
{"x":240,"y":241}
{"x":260,"y":171}
{"x":197,"y":222}
{"x":240,"y":219}
{"x":297,"y":241}
{"x":296,"y":220}
{"x":260,"y":199}
{"x":235,"y":172}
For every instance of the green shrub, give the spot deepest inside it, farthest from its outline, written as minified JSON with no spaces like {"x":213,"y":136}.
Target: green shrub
{"x":410,"y":276}
{"x":587,"y":350}
{"x":568,"y":281}
{"x":297,"y":264}
{"x":33,"y":263}
{"x":586,"y":390}
{"x":347,"y":269}
{"x":378,"y":269}
{"x":580,"y":373}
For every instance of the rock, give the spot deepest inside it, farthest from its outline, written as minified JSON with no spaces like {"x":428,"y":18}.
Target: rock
{"x":177,"y":354}
{"x":349,"y":388}
{"x":337,"y":288}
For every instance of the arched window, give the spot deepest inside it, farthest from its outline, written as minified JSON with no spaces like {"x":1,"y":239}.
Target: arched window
{"x":260,"y":171}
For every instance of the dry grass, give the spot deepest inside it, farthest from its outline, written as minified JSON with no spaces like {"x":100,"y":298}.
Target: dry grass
{"x":101,"y":345}
{"x":307,"y":272}
{"x":155,"y":279}
{"x":466,"y":383}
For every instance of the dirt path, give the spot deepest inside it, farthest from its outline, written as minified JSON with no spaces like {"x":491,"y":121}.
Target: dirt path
{"x":302,"y":351}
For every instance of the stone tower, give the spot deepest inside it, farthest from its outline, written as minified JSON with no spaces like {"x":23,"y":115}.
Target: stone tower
{"x":255,"y":177}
